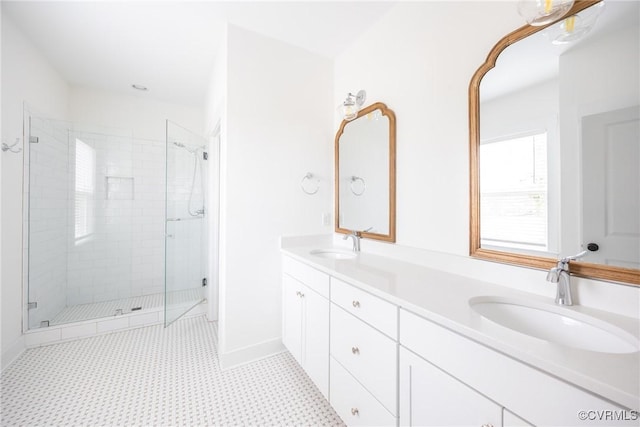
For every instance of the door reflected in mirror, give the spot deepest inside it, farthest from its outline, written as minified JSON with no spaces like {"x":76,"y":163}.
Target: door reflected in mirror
{"x":365,"y":174}
{"x":555,"y":136}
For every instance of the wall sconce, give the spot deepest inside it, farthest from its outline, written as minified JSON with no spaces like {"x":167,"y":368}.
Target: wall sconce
{"x":348,"y":110}
{"x":575,"y":26}
{"x":542,"y":12}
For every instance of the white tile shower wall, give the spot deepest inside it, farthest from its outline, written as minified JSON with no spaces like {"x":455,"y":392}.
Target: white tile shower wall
{"x":124,"y":254}
{"x":148,"y":217}
{"x":47,"y":193}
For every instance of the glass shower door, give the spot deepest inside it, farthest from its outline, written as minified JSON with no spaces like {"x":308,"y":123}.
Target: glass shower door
{"x":185,"y":222}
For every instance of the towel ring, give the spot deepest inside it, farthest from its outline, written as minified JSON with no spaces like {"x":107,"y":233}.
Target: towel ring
{"x":355,"y":179}
{"x":309,"y":176}
{"x":12,"y":148}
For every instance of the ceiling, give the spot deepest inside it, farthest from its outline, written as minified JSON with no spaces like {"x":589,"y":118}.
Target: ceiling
{"x":170,"y":46}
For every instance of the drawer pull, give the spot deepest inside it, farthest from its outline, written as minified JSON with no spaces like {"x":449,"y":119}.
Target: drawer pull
{"x":355,"y":350}
{"x":487,"y":425}
{"x":355,"y":304}
{"x":355,"y":412}
{"x":300,"y":294}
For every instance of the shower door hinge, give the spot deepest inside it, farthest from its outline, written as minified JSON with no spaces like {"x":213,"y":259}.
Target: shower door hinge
{"x":34,"y":139}
{"x":44,"y":324}
{"x":31,"y":305}
{"x":205,"y":155}
{"x":204,"y":281}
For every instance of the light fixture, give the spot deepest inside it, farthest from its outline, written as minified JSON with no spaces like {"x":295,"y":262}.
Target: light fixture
{"x":542,"y":12}
{"x":140,"y":87}
{"x":349,"y":108}
{"x":575,"y":26}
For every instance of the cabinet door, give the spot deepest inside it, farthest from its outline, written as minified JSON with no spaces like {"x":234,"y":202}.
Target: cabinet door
{"x":315,"y":341}
{"x":355,"y":405}
{"x":509,"y":419}
{"x":292,"y":316}
{"x":431,"y":397}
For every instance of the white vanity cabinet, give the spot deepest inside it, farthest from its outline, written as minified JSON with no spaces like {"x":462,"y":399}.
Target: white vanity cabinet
{"x":431,"y":397}
{"x":364,"y":356}
{"x":525,"y":392}
{"x":305,"y":319}
{"x":381,"y":362}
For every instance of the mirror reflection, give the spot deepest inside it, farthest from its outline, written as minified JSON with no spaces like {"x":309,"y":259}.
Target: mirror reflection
{"x":365,"y":174}
{"x":559,"y":154}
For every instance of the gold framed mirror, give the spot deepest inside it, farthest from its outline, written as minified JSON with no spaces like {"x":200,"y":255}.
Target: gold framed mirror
{"x":365,"y":174}
{"x":562,"y":221}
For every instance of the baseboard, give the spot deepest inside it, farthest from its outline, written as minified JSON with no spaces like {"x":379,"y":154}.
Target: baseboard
{"x":13,"y":352}
{"x":250,"y":354}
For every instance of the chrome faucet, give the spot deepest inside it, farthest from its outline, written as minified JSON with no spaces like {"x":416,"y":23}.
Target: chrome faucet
{"x":560,"y":275}
{"x":355,"y":235}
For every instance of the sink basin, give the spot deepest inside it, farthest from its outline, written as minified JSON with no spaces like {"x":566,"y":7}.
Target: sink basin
{"x":333,"y":253}
{"x":556,"y":324}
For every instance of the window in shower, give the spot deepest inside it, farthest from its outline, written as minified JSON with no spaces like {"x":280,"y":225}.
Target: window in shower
{"x":85,"y":167}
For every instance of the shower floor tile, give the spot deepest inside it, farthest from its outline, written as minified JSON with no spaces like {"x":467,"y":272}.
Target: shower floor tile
{"x":77,"y":313}
{"x":156,"y":376}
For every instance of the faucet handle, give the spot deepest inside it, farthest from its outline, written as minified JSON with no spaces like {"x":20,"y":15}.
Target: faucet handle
{"x":573,"y":257}
{"x":553,"y":275}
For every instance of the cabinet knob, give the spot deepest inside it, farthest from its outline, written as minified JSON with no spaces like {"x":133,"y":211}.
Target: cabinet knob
{"x":354,"y":411}
{"x":355,"y":350}
{"x":356,"y":304}
{"x":300,"y":294}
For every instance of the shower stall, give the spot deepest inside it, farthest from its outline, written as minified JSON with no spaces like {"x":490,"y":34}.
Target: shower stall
{"x":114,"y":224}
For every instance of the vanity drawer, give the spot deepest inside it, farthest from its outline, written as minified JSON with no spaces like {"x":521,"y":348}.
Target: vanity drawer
{"x":367,"y":354}
{"x":355,"y":405}
{"x":375,"y":311}
{"x":315,"y":279}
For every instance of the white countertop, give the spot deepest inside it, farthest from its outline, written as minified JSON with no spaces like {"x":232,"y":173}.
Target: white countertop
{"x":444,"y":298}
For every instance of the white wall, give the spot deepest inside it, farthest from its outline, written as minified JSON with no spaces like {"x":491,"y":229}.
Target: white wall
{"x":139,"y":113}
{"x":26,"y":77}
{"x":419,"y":59}
{"x":278,"y":127}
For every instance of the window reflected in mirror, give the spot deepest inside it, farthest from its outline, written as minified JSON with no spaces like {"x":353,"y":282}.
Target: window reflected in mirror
{"x":513,"y":193}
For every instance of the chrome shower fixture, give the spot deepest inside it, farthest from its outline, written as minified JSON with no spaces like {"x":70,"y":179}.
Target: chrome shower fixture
{"x":189,"y":149}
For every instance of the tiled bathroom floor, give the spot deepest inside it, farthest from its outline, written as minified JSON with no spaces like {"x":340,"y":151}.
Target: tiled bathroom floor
{"x":156,"y":376}
{"x":96,"y":310}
